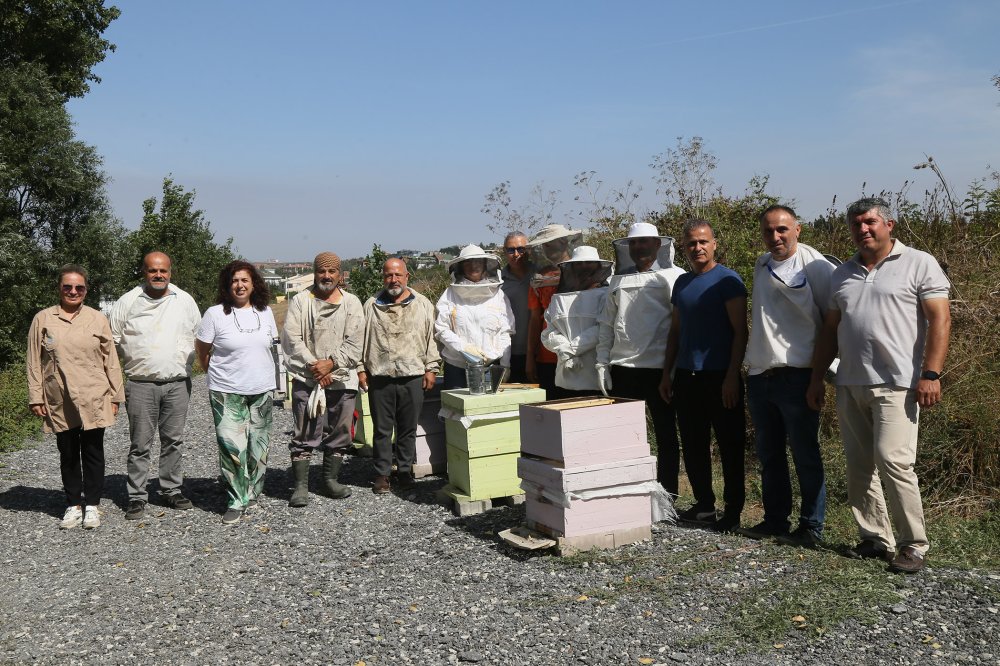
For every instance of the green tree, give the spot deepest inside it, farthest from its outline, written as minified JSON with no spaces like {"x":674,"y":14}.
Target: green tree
{"x":61,"y":36}
{"x":366,"y":278}
{"x":53,"y":205}
{"x":182,"y":232}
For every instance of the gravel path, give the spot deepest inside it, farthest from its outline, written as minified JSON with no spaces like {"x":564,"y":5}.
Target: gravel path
{"x":400,"y":580}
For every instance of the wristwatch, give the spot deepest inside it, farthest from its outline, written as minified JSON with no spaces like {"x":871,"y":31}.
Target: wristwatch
{"x":931,"y":375}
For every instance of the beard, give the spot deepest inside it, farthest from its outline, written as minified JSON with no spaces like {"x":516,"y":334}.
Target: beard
{"x":158,"y":286}
{"x":325,"y":287}
{"x":394,"y":291}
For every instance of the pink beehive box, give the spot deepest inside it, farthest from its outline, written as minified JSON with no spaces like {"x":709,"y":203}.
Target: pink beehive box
{"x":585,"y":435}
{"x":587,"y":477}
{"x":432,"y":453}
{"x":583,"y":517}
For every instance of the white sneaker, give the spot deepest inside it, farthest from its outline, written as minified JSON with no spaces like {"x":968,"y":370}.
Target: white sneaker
{"x":72,"y":518}
{"x":91,"y":518}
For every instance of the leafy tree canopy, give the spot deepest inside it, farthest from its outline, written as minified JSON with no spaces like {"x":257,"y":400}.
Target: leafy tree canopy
{"x":182,"y":232}
{"x":366,"y":277}
{"x":62,"y":36}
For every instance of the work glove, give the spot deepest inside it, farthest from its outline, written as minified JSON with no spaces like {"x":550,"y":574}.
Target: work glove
{"x":603,"y":378}
{"x":317,"y":402}
{"x":473,"y":351}
{"x":568,"y":360}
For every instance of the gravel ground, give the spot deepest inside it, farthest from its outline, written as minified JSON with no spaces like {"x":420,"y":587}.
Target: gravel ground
{"x":401,"y":580}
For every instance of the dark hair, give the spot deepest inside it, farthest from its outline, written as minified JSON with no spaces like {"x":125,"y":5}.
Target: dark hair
{"x":862,"y":206}
{"x":260,"y":296}
{"x":72,"y":268}
{"x":695,"y":223}
{"x":776,"y":207}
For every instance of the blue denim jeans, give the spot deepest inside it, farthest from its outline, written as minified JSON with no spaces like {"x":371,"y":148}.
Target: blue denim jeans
{"x":777,"y":402}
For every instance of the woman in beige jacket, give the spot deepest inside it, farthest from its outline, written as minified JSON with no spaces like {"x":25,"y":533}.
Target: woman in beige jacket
{"x":75,"y":385}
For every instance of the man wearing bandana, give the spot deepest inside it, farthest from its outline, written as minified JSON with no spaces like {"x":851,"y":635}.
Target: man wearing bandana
{"x":322,"y":341}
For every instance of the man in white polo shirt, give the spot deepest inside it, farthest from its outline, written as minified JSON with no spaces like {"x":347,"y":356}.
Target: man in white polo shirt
{"x":153,"y":327}
{"x":889,"y":316}
{"x":791,"y":289}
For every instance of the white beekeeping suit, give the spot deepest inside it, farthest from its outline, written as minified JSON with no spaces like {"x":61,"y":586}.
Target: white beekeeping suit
{"x":636,"y":316}
{"x":571,"y":319}
{"x":474,"y":318}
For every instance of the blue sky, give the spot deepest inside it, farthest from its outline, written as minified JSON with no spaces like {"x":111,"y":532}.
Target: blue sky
{"x":306,"y":126}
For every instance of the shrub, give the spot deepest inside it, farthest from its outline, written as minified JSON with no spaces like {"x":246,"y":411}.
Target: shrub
{"x":16,"y":422}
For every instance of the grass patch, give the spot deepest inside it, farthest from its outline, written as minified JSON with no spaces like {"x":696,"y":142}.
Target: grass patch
{"x":17,"y":424}
{"x":815,"y":598}
{"x":761,"y":595}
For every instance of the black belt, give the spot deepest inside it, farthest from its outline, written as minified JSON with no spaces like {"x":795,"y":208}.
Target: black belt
{"x":159,"y":382}
{"x":783,"y":370}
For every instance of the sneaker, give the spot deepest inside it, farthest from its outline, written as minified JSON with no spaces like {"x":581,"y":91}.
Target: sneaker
{"x":91,"y":518}
{"x":178,"y":501}
{"x":697,"y":515}
{"x":908,"y":561}
{"x":135,"y":510}
{"x":802,"y":537}
{"x":381,"y":485}
{"x":232,"y":516}
{"x":868,"y":550}
{"x":726,"y":524}
{"x":72,"y":518}
{"x":251,"y":507}
{"x":762,"y":531}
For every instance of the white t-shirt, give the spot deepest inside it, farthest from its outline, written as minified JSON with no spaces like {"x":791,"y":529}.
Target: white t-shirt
{"x":791,"y":271}
{"x":241,"y":349}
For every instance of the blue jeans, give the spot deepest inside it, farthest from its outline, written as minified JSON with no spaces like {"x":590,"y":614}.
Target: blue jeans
{"x":777,"y":402}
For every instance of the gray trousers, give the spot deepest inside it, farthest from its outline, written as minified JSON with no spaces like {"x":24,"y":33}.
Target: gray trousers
{"x":396,"y":403}
{"x":153,"y":406}
{"x":330,"y":431}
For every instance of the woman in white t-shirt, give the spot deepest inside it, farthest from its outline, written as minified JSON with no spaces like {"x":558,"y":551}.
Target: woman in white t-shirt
{"x":234,"y":344}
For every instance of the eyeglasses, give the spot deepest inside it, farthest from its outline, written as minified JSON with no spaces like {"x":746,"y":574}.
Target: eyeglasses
{"x":246,"y":330}
{"x":74,"y":288}
{"x":515,"y":250}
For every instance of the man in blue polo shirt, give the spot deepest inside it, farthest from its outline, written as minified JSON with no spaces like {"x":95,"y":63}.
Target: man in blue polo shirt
{"x":705,"y":348}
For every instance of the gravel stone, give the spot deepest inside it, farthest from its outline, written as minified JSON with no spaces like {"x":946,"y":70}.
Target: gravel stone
{"x":399,"y":580}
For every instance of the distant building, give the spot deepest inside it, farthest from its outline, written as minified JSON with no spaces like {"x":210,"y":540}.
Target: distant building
{"x":297,"y":283}
{"x":272,"y":279}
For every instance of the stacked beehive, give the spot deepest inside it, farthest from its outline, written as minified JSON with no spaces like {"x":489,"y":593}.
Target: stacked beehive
{"x":482,"y":433}
{"x":431,"y":454}
{"x":587,"y":472}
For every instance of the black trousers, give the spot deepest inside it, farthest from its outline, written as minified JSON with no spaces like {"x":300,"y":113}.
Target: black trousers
{"x":396,"y":403}
{"x":547,"y":379}
{"x":698,"y":401}
{"x":81,"y":461}
{"x":517,"y":373}
{"x":644,"y":384}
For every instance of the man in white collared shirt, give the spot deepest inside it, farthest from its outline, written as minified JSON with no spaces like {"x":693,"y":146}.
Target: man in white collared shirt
{"x":153,"y":327}
{"x":889,"y":315}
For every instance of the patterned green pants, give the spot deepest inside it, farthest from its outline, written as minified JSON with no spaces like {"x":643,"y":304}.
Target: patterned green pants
{"x":243,"y":432}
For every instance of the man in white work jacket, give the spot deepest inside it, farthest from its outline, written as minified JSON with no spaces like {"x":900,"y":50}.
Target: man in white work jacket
{"x":153,"y":327}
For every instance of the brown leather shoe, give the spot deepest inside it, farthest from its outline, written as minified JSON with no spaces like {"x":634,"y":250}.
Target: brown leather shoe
{"x":869,"y":550}
{"x":381,"y":485}
{"x":908,"y":561}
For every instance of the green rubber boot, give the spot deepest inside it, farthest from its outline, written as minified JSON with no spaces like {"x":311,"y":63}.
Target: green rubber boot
{"x":300,"y":494}
{"x":331,"y":469}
